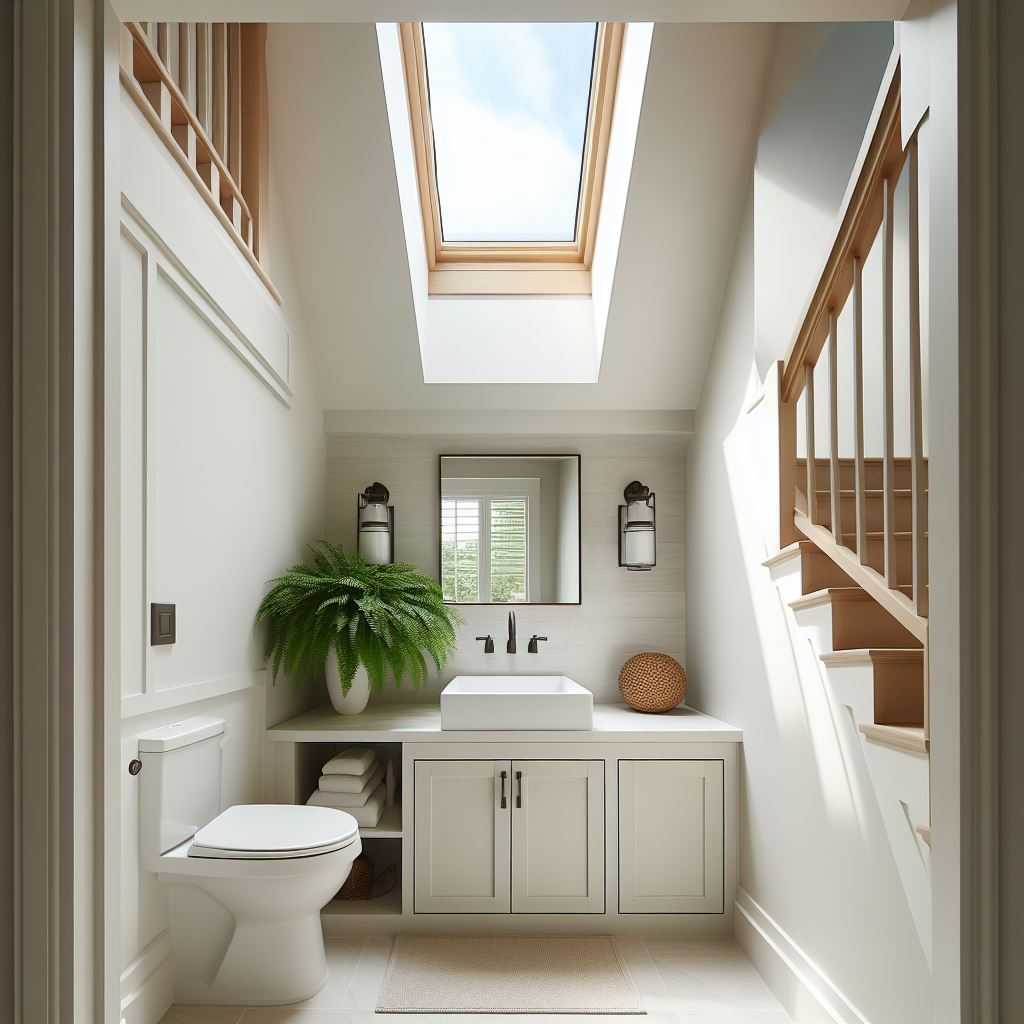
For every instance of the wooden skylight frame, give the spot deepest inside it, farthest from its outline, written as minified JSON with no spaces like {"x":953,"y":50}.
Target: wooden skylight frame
{"x":513,"y":268}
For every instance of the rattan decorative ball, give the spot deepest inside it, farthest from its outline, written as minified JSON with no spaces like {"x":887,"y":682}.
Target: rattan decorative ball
{"x":652,"y":682}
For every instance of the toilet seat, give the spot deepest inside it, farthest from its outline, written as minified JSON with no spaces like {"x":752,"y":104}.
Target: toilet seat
{"x":274,"y":832}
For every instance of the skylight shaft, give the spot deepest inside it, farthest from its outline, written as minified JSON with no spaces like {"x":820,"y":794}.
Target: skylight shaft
{"x":509,"y":107}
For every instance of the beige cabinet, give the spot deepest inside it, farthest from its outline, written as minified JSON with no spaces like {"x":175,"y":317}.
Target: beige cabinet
{"x":463,"y":837}
{"x":558,"y":837}
{"x":500,"y":836}
{"x":671,"y":837}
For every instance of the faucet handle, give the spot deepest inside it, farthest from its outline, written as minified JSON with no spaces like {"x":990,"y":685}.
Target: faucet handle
{"x":531,"y":647}
{"x":488,"y":643}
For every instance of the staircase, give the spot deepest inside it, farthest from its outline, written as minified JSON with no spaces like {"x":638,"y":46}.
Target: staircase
{"x":852,"y":559}
{"x":872,"y":669}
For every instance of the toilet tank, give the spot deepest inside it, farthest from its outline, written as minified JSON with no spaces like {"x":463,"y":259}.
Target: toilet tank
{"x":181,"y":779}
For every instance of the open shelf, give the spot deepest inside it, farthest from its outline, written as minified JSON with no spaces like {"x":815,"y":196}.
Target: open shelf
{"x":389,"y":826}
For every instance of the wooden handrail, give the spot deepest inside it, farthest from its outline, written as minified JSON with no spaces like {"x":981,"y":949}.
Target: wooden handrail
{"x":858,"y":225}
{"x":898,"y":584}
{"x":148,"y":67}
{"x":211,"y":116}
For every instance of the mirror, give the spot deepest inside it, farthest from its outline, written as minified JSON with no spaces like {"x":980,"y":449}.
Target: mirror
{"x":510,"y":529}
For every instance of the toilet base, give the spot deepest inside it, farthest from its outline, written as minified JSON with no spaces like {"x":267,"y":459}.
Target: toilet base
{"x":265,"y":964}
{"x":251,"y":935}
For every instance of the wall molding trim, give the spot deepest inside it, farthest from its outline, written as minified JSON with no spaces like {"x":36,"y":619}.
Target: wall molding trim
{"x":804,"y":989}
{"x":669,"y":423}
{"x":177,"y":696}
{"x":170,"y":267}
{"x":147,"y":983}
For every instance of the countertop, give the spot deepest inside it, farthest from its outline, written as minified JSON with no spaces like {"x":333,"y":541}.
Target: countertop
{"x":421,"y":723}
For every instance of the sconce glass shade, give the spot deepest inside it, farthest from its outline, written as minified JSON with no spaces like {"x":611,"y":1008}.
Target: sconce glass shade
{"x":637,"y":531}
{"x":376,"y":526}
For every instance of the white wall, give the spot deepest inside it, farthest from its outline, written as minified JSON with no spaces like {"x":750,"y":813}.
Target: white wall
{"x":811,"y":858}
{"x":621,"y":613}
{"x":223,"y":484}
{"x":365,"y":298}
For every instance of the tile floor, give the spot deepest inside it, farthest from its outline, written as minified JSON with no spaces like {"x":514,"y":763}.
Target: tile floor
{"x":679,"y":981}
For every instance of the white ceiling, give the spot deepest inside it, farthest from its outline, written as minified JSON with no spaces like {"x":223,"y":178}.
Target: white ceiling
{"x":524,"y":10}
{"x":333,"y":171}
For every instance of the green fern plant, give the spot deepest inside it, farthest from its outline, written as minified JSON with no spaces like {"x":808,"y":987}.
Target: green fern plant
{"x":379,"y":616}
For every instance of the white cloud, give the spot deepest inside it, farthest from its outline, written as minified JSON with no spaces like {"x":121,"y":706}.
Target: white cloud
{"x":503,"y":174}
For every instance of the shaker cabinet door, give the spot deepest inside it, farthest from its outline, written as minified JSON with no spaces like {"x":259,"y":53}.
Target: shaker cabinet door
{"x":462,"y":838}
{"x":671,"y":837}
{"x":558,"y":837}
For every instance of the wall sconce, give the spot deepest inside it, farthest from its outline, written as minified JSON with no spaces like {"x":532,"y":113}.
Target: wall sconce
{"x":376,"y":525}
{"x":637,"y":536}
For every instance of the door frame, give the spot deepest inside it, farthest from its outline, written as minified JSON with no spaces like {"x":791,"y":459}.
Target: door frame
{"x":65,"y":807}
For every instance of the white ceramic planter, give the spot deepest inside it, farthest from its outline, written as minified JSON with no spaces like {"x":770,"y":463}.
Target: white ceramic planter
{"x":358,"y":696}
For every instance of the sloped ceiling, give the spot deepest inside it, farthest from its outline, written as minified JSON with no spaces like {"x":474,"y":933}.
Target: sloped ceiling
{"x":333,"y":172}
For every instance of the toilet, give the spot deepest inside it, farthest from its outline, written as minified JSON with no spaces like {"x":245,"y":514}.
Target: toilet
{"x":248,"y":882}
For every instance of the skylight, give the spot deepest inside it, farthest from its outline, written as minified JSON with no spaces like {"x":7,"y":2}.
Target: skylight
{"x":510,"y":126}
{"x":509,"y":108}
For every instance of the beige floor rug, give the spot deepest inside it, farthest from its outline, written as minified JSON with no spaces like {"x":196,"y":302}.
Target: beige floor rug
{"x":570,"y":974}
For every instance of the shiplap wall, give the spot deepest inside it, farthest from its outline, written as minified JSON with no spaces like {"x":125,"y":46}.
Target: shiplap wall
{"x":622,"y":612}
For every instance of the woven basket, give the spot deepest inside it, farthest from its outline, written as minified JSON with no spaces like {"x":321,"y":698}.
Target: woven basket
{"x":652,"y":682}
{"x":359,"y":884}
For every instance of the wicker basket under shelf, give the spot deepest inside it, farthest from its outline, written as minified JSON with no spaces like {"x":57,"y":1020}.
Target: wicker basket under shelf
{"x":359,"y":884}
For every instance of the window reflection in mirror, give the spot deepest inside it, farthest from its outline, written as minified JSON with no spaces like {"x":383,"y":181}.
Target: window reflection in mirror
{"x":510,"y":529}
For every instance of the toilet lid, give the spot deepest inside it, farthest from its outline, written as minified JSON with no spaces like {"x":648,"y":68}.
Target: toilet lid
{"x":268,"y":831}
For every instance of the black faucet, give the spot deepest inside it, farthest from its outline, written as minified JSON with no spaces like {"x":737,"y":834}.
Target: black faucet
{"x":510,"y":647}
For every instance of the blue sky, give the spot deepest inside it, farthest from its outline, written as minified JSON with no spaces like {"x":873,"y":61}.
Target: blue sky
{"x":509,"y":109}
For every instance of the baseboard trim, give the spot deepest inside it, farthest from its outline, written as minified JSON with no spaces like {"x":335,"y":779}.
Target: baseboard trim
{"x":807,"y":993}
{"x":147,"y":983}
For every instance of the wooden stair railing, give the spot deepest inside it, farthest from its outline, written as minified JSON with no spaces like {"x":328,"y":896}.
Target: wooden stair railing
{"x":203,"y":89}
{"x":868,"y":515}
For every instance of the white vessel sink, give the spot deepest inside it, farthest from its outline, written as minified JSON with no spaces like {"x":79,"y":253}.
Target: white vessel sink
{"x":495,"y":703}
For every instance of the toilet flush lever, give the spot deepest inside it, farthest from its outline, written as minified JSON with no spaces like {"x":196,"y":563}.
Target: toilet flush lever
{"x":134,"y":766}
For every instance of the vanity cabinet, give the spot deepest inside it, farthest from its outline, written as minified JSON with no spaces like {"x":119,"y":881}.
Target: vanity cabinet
{"x":630,"y":825}
{"x":671,"y":837}
{"x":519,"y":836}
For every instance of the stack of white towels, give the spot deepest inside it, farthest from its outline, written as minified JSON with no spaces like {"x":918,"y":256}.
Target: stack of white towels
{"x":354,"y":781}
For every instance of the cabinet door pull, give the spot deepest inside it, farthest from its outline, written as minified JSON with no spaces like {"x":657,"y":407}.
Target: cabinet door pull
{"x":519,"y":789}
{"x":504,"y":798}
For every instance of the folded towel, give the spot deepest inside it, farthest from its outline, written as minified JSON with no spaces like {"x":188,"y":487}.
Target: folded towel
{"x":367,"y":816}
{"x":353,"y":761}
{"x":345,"y":796}
{"x":350,"y":783}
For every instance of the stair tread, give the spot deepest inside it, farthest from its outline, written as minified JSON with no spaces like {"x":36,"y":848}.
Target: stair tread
{"x":866,"y":654}
{"x":879,"y":534}
{"x":910,"y":738}
{"x":830,"y":594}
{"x":869,"y":492}
{"x":784,"y":554}
{"x":848,"y":460}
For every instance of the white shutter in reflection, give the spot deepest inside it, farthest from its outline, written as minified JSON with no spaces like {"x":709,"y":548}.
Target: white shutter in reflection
{"x":508,"y":562}
{"x":460,"y":549}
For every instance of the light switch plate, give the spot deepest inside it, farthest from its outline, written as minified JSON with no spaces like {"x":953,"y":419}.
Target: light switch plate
{"x":162,"y":624}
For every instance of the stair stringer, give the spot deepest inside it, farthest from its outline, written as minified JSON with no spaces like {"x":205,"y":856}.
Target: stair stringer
{"x":899,"y":779}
